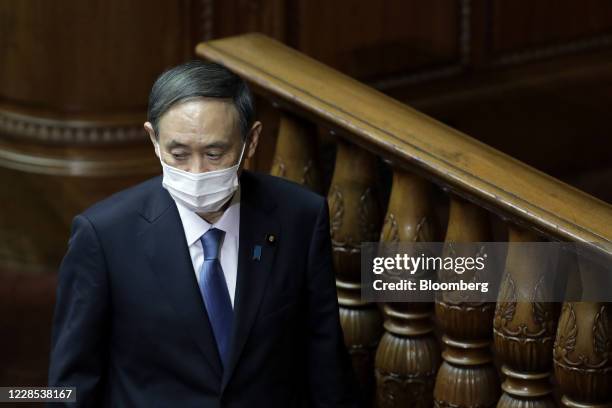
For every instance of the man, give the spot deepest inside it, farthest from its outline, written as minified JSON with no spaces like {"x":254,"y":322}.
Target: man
{"x":209,"y":287}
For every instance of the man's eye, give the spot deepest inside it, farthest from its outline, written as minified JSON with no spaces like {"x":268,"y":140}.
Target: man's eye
{"x":179,"y":156}
{"x":213,"y":156}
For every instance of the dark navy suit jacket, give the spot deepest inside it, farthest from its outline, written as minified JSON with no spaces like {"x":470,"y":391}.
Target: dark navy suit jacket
{"x":130,"y":327}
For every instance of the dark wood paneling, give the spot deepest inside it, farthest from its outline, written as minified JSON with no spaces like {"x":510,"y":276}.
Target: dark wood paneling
{"x":89,"y":57}
{"x":26,"y":310}
{"x":521,"y":24}
{"x":372,"y":39}
{"x":239,"y":16}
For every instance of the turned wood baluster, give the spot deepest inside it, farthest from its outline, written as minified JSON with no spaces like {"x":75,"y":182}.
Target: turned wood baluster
{"x":355,"y":217}
{"x":408,"y":355}
{"x":583,"y":355}
{"x":294,"y":157}
{"x":524,"y":331}
{"x":467,"y":377}
{"x":583,"y":350}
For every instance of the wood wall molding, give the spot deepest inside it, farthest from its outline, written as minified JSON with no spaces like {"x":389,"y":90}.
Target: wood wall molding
{"x":554,"y":50}
{"x":74,"y":131}
{"x":78,"y":167}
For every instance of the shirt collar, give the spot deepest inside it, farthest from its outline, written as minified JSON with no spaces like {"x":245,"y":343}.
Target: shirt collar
{"x":195,"y":226}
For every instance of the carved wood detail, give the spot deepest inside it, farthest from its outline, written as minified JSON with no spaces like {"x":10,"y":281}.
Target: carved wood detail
{"x":524,"y":330}
{"x":467,"y":377}
{"x":295,"y":154}
{"x":408,"y":355}
{"x":582,"y":354}
{"x":34,"y":128}
{"x":355,"y":217}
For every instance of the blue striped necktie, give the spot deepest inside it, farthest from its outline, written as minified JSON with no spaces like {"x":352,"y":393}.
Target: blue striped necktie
{"x":215,"y":293}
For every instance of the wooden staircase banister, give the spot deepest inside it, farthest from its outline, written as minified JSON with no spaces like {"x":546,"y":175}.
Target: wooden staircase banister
{"x":401,"y":134}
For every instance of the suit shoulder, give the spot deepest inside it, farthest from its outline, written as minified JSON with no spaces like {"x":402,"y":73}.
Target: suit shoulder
{"x":123,"y":203}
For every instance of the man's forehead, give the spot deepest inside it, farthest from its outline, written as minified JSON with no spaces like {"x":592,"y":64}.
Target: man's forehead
{"x":201,"y":110}
{"x":210,"y":115}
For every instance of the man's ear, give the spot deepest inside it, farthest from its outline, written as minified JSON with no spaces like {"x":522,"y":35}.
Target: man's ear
{"x":253,"y":139}
{"x":149,"y":128}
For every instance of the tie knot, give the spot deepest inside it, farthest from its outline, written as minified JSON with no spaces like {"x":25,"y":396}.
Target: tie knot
{"x":211,"y":240}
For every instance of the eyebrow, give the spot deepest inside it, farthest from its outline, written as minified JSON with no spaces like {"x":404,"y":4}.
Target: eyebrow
{"x":176,"y":144}
{"x":218,"y":145}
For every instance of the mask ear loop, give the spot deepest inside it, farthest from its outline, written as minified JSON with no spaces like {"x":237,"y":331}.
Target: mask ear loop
{"x":242,"y":152}
{"x":157,"y":148}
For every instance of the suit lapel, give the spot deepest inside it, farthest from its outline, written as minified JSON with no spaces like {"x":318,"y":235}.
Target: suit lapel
{"x":168,"y":254}
{"x":256,"y":223}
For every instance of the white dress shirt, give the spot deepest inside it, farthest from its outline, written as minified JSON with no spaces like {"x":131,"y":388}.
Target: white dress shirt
{"x":229,"y":222}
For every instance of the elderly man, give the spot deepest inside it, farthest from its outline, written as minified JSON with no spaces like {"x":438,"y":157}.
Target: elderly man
{"x":208,"y":287}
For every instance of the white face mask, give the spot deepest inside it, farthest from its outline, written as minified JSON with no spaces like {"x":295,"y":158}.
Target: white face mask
{"x":201,"y":192}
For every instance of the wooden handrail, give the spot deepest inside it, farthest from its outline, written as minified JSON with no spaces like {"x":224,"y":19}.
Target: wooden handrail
{"x":401,"y":135}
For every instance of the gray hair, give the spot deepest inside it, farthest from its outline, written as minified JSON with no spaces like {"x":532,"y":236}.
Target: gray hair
{"x":199,"y":79}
